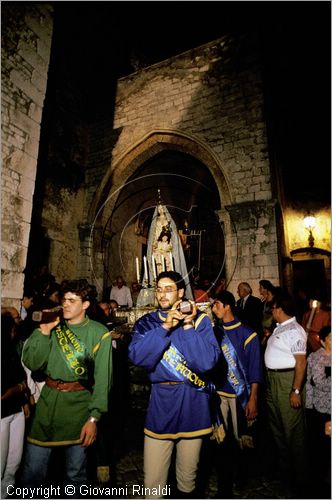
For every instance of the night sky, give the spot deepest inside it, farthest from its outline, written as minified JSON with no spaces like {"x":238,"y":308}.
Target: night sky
{"x":119,"y":37}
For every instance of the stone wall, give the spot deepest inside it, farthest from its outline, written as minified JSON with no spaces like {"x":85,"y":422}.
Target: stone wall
{"x":208,"y":99}
{"x":26,"y":44}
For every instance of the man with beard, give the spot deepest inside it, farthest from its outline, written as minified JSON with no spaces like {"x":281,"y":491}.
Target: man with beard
{"x":176,"y":345}
{"x":75,"y":353}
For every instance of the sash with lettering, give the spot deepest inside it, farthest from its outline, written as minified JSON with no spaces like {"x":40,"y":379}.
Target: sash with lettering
{"x":174,"y":361}
{"x":236,"y":374}
{"x":236,"y":377}
{"x":74,"y":352}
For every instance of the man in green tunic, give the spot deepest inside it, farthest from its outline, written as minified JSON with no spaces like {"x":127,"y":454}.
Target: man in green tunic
{"x":75,"y":354}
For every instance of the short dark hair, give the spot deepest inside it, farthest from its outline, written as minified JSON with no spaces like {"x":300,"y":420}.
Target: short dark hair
{"x":174,"y":276}
{"x":267,"y":285}
{"x":29,"y":293}
{"x":285,"y":301}
{"x":80,"y":287}
{"x":227,"y":298}
{"x":324,"y":332}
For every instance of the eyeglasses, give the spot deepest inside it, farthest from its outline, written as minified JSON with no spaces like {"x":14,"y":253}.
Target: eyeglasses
{"x":71,"y":301}
{"x":166,"y":289}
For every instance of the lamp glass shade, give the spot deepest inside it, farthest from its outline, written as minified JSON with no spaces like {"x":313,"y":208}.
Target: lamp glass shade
{"x":309,"y":222}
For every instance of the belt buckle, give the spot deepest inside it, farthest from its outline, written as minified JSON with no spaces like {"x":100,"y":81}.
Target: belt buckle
{"x":58,"y":384}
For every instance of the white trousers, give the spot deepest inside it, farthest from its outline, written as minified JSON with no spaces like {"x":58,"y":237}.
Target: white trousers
{"x":12,"y":441}
{"x":229,"y":405}
{"x":157,"y":459}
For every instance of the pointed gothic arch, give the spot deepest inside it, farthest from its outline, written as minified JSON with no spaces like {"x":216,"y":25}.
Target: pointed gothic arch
{"x":123,"y":170}
{"x":125,"y":165}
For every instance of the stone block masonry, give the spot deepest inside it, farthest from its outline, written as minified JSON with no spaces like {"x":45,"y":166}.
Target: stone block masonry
{"x":26,"y":44}
{"x":213,"y":96}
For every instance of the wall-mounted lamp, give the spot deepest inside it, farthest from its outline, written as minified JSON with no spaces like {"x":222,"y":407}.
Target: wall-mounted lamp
{"x":309,"y":223}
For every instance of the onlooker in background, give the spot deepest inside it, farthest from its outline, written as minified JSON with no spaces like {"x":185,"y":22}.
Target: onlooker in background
{"x":249,"y":308}
{"x":121,"y":293}
{"x":135,"y":289}
{"x":53,"y":293}
{"x":268,"y":322}
{"x":266,"y":289}
{"x":285,"y":360}
{"x":219,"y":286}
{"x":33,"y":383}
{"x":113,"y":305}
{"x":313,"y":321}
{"x":26,"y":303}
{"x":202,"y":290}
{"x":41,"y":280}
{"x":237,"y":386}
{"x":318,"y":412}
{"x":111,"y":440}
{"x":14,"y":405}
{"x":106,"y":317}
{"x":13,"y":312}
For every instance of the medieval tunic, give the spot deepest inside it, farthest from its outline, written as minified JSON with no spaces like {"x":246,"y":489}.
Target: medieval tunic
{"x":59,"y":416}
{"x":240,"y":361}
{"x":246,"y":344}
{"x":180,"y":410}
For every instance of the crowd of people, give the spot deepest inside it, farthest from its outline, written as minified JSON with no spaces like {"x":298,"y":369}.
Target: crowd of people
{"x":256,"y":376}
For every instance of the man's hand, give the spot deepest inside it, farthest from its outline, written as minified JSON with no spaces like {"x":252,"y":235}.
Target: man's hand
{"x":174,"y":315}
{"x":45,"y":328}
{"x":88,"y":434}
{"x":251,"y":410}
{"x":295,"y":400}
{"x":188,"y":318}
{"x":26,"y":410}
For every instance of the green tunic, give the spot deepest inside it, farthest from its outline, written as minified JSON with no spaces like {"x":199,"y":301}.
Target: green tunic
{"x":59,"y":416}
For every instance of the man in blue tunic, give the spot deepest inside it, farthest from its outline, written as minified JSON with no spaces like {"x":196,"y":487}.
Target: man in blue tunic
{"x":176,"y":348}
{"x":237,"y":378}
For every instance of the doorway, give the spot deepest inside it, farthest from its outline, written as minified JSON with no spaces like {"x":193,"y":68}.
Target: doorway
{"x":309,"y":275}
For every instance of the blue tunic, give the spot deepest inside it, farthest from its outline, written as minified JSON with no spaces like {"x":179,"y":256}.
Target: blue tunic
{"x":246,"y":343}
{"x":180,"y":410}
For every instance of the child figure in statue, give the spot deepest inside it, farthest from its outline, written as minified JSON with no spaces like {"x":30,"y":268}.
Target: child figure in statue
{"x":162,"y":249}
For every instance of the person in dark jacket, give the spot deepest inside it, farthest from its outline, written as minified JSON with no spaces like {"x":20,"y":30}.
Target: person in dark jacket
{"x":249,"y":308}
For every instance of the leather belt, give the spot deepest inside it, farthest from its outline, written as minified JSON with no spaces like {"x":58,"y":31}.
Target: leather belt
{"x":280,"y":370}
{"x":170,"y":383}
{"x":62,"y":386}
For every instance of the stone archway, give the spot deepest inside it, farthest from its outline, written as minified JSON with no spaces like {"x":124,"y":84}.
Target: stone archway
{"x":127,"y":169}
{"x":158,"y":140}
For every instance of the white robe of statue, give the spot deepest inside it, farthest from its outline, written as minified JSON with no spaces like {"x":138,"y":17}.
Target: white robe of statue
{"x":164,"y":252}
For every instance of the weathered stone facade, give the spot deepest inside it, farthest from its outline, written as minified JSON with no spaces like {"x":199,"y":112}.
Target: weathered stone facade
{"x":26,"y":46}
{"x":207,"y":102}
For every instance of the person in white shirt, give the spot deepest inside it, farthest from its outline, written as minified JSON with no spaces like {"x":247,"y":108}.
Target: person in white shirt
{"x":285,"y":360}
{"x":121,"y":293}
